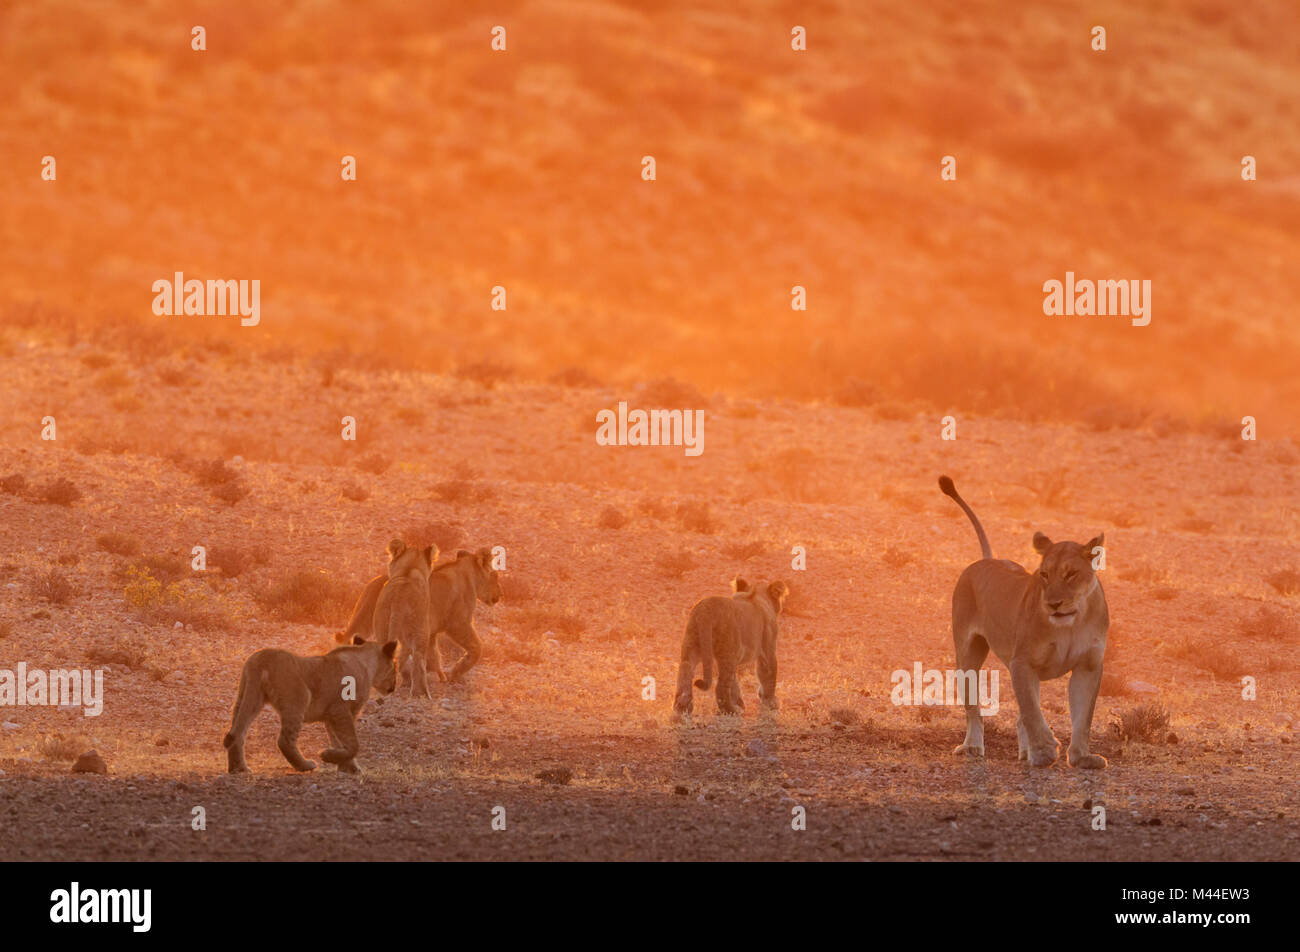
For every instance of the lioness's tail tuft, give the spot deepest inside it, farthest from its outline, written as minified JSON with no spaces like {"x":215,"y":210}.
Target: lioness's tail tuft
{"x":950,"y":490}
{"x":227,"y":741}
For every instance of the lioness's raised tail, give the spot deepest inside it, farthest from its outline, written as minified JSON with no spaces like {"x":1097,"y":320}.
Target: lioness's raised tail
{"x":950,"y":490}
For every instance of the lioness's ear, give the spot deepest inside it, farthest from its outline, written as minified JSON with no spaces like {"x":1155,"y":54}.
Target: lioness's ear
{"x":390,"y":649}
{"x":430,"y":553}
{"x":1041,"y":543}
{"x":778,"y":591}
{"x":738,"y":584}
{"x":1089,"y":548}
{"x":395,"y":548}
{"x":358,"y":640}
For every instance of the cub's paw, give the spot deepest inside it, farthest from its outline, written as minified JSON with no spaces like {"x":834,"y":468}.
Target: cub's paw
{"x":238,"y":768}
{"x":1087,"y":761}
{"x":349,"y":767}
{"x":307,"y":766}
{"x":965,"y":750}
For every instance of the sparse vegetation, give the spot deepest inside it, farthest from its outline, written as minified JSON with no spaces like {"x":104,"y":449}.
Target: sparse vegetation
{"x":1208,"y":655}
{"x":118,"y":543}
{"x":695,"y":516}
{"x":61,"y":747}
{"x":51,"y":586}
{"x":354,"y":491}
{"x":1285,"y":582}
{"x":1271,"y":624}
{"x":675,"y":564}
{"x":15,"y":484}
{"x":60,"y":492}
{"x":535,"y":622}
{"x":313,"y":598}
{"x":611,"y":517}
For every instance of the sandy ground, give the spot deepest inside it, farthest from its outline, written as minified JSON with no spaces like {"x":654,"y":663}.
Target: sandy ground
{"x":607,"y":549}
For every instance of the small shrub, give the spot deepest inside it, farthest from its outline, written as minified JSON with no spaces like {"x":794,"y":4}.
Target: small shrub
{"x":675,"y":564}
{"x":59,"y":747}
{"x":309,"y":597}
{"x":1271,"y":624}
{"x":611,"y":517}
{"x":374,"y":463}
{"x":694,"y":516}
{"x":1285,"y":582}
{"x":14,"y":484}
{"x":355,"y":492}
{"x":60,"y":492}
{"x":1208,"y":655}
{"x":845,"y":715}
{"x":231,"y":492}
{"x":118,"y":543}
{"x":233,"y":562}
{"x":744,"y":551}
{"x":52,"y":586}
{"x":896,"y":558}
{"x":1146,"y":723}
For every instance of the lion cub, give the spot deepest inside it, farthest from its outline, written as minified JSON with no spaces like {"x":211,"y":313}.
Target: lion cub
{"x":734,"y":632}
{"x":332,"y":688}
{"x":1041,"y":625}
{"x":402,"y":610}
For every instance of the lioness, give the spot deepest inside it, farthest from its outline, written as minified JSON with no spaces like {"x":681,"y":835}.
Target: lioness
{"x":305,"y":690}
{"x":402,"y":609}
{"x":734,"y":631}
{"x":454,"y":587}
{"x":1041,"y":626}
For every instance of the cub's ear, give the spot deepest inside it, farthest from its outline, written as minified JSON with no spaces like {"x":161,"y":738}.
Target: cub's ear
{"x":430,"y":553}
{"x":358,"y":640}
{"x":1041,"y":543}
{"x":1098,"y":540}
{"x":395,"y":548}
{"x":738,"y":584}
{"x":778,"y":591}
{"x":390,"y":649}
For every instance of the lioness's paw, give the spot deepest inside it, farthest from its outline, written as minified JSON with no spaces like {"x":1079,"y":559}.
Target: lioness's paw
{"x":1044,"y":756}
{"x":968,"y":751}
{"x":239,"y":768}
{"x":1087,"y":761}
{"x":306,"y":766}
{"x":350,"y":767}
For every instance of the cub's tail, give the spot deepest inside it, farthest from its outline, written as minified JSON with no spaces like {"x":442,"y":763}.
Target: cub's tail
{"x":950,"y":490}
{"x":248,"y":704}
{"x":704,"y":631}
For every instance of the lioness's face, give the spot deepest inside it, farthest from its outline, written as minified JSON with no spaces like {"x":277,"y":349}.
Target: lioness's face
{"x":489,"y":591}
{"x":487,"y":583}
{"x":1065,"y":578}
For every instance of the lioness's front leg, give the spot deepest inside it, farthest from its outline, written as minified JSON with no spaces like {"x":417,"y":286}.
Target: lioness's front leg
{"x":1085,"y":683}
{"x":1043,"y":746}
